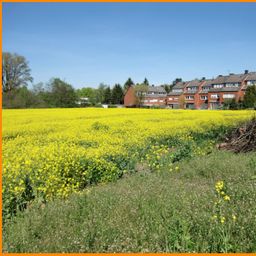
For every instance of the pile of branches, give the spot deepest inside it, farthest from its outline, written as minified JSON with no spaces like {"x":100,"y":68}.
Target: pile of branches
{"x":242,"y":139}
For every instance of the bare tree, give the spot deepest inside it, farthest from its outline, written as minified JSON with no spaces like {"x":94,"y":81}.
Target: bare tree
{"x":15,"y":71}
{"x":182,"y":101}
{"x":140,"y":92}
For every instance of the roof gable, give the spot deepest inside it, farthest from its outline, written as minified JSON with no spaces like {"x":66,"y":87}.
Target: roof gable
{"x":251,"y":76}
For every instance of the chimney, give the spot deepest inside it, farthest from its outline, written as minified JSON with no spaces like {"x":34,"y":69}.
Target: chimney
{"x":246,"y":72}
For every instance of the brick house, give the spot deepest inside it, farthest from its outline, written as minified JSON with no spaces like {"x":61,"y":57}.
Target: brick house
{"x":249,"y":80}
{"x":226,"y":88}
{"x":191,"y":93}
{"x":195,"y":94}
{"x":175,"y":97}
{"x":130,"y":99}
{"x":203,"y":94}
{"x":153,"y":96}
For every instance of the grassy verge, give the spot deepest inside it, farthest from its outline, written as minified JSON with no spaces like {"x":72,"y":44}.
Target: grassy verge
{"x":170,"y":210}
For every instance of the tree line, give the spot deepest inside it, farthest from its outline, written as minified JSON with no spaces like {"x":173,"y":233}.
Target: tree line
{"x":55,"y":93}
{"x":58,"y":93}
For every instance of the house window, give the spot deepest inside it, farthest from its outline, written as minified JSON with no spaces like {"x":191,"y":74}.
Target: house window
{"x":203,"y":97}
{"x":232,"y":85}
{"x":177,"y":90}
{"x":175,"y":98}
{"x":214,"y":96}
{"x":154,"y":100}
{"x":190,"y":97}
{"x":191,"y":88}
{"x":218,"y":85}
{"x":251,"y":82}
{"x":229,"y":96}
{"x":170,"y":98}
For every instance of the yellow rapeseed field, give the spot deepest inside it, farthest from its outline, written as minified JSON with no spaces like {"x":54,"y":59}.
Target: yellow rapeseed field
{"x":52,"y":152}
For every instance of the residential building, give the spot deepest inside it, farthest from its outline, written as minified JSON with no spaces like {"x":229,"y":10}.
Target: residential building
{"x":130,"y":99}
{"x":203,"y":94}
{"x":195,"y":94}
{"x":226,"y":88}
{"x":175,"y":98}
{"x":191,"y":94}
{"x":250,"y":80}
{"x":152,"y":96}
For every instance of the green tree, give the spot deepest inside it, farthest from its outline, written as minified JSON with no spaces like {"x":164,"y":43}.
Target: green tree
{"x":167,"y":87}
{"x":87,"y":92}
{"x":146,"y":82}
{"x":230,"y":104}
{"x":128,"y":83}
{"x":38,"y":88}
{"x":250,"y":97}
{"x":117,"y":94}
{"x":15,"y":72}
{"x":107,"y":95}
{"x":61,"y":94}
{"x":20,"y":98}
{"x":100,"y":92}
{"x":177,"y":80}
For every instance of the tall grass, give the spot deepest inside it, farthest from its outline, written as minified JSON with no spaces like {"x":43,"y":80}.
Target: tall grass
{"x":172,"y":210}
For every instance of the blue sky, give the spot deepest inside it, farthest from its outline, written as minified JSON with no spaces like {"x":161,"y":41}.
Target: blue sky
{"x":89,"y":43}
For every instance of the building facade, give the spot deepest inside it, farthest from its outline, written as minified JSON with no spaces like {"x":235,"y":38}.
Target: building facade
{"x":195,"y":94}
{"x":152,"y":96}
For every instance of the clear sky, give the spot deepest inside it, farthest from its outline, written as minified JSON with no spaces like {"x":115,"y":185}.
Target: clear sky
{"x":90,"y":43}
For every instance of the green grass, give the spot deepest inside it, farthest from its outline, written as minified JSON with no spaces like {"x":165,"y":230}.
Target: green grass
{"x":149,"y":212}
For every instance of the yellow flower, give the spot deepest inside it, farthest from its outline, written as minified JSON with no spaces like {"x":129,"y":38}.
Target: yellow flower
{"x":219,"y":186}
{"x":222,"y":220}
{"x":59,"y":150}
{"x":226,"y":198}
{"x":234,"y":217}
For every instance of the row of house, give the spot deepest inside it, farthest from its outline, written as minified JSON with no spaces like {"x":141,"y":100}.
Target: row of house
{"x":196,"y":94}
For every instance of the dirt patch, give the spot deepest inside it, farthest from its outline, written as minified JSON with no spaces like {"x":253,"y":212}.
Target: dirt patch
{"x":241,"y":139}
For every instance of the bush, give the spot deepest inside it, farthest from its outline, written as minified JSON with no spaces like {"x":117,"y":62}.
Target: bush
{"x":112,"y":106}
{"x":98,"y":105}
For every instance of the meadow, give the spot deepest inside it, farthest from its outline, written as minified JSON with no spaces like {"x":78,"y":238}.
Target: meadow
{"x":54,"y":158}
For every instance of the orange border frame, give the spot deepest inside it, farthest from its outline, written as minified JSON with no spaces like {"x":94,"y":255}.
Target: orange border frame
{"x":97,"y":254}
{"x":142,"y":1}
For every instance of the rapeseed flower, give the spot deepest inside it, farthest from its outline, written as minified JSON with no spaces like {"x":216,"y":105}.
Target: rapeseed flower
{"x":62,"y":151}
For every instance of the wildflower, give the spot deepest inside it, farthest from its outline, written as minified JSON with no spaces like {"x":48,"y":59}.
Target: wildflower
{"x":60,"y":161}
{"x":226,"y":198}
{"x":234,"y":217}
{"x":222,"y":220}
{"x":219,"y":186}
